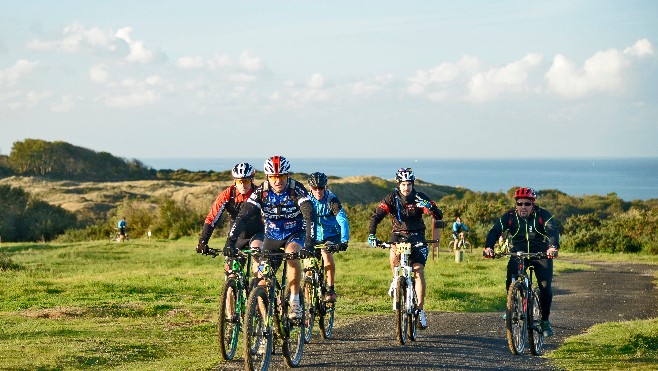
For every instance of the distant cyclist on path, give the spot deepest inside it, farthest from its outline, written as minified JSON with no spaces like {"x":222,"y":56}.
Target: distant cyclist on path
{"x":458,"y":229}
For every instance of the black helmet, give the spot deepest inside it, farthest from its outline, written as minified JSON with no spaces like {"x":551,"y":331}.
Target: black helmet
{"x":317,"y":180}
{"x":405,"y":175}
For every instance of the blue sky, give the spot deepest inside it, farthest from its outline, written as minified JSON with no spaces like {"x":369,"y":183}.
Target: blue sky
{"x":439,"y":79}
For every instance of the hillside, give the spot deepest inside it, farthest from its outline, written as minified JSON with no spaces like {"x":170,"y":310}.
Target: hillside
{"x":92,"y":200}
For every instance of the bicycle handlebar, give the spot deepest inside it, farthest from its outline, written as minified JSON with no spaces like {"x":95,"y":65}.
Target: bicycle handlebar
{"x":329,"y":247}
{"x":385,"y":244}
{"x":520,"y":254}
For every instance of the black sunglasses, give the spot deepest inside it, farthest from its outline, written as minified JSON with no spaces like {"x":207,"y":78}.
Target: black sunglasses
{"x":317,"y":188}
{"x":523,"y":203}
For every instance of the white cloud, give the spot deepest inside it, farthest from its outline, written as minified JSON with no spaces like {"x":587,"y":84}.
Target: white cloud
{"x":242,"y":77}
{"x":641,"y":48}
{"x":99,"y":74}
{"x":76,"y":37}
{"x":34,"y":97}
{"x":430,"y":80}
{"x":604,"y":72}
{"x":138,"y":52}
{"x":11,"y":75}
{"x":132,"y":100}
{"x":249,"y":62}
{"x":190,"y":62}
{"x":66,"y":104}
{"x":315,"y":82}
{"x":513,"y":77}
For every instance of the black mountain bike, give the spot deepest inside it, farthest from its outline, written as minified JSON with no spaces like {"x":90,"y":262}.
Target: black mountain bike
{"x":314,"y":289}
{"x":405,"y":302}
{"x":232,"y":301}
{"x":267,"y":317}
{"x":523,"y":315}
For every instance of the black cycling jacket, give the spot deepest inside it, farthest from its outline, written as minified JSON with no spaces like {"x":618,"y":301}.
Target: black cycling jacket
{"x":532,"y":234}
{"x":407,"y":217}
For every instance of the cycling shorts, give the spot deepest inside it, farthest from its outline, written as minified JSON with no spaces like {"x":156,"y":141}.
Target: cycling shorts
{"x":418,"y":253}
{"x":270,"y":245}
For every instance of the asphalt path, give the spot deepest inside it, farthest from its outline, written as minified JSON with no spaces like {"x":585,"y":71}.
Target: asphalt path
{"x":476,"y":341}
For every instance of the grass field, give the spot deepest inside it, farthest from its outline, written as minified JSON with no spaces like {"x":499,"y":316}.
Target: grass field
{"x":152,"y":305}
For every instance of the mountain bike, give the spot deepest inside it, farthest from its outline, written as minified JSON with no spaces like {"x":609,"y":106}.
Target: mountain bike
{"x":523,"y":316}
{"x":462,"y":243}
{"x":232,"y":301}
{"x":315,"y":290}
{"x":267,"y":317}
{"x":115,"y":235}
{"x":405,"y":302}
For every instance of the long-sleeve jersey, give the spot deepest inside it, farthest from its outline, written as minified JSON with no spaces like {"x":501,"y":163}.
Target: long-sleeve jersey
{"x":284,"y":213}
{"x":231,"y":201}
{"x":407,"y":216}
{"x":457,"y":227}
{"x":532,"y":234}
{"x":331,"y":219}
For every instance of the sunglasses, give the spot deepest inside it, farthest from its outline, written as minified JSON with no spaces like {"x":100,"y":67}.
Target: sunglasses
{"x":317,"y":188}
{"x":243,"y":181}
{"x":279,"y":177}
{"x":523,"y":203}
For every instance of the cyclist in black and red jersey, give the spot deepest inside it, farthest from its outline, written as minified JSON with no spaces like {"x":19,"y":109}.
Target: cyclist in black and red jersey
{"x":531,"y":229}
{"x":406,"y":207}
{"x":231,"y":200}
{"x":289,"y":218}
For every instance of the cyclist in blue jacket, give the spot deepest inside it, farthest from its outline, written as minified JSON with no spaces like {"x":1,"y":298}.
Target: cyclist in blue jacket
{"x":458,"y":229}
{"x":331,"y":225}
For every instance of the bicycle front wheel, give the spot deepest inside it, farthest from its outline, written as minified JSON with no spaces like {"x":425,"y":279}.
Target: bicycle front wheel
{"x":413,"y":318}
{"x":326,"y":317}
{"x":516,"y":320}
{"x":309,"y":289}
{"x":229,"y":319}
{"x":258,"y":331}
{"x":401,"y":318}
{"x":467,"y":246}
{"x":535,"y":332}
{"x":293,"y":335}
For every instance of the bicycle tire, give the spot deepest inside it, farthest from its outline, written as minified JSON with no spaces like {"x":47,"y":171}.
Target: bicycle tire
{"x":258,"y":333}
{"x":535,"y":332}
{"x":516,"y":321}
{"x":468,"y":247}
{"x":327,"y":313}
{"x":293,"y":334}
{"x":413,"y":319}
{"x":310,"y":306}
{"x":401,"y":319}
{"x":229,"y":328}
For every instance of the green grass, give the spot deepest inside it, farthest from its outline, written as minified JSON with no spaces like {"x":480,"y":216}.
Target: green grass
{"x":152,"y":305}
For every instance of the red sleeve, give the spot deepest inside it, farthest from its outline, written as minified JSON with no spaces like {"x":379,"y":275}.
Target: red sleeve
{"x":218,"y":207}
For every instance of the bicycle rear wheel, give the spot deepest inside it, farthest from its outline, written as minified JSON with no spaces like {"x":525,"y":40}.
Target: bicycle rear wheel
{"x":293,"y":335}
{"x":535,"y":332}
{"x":310,"y":299}
{"x":229,"y":319}
{"x":516,"y":320}
{"x":401,"y":318}
{"x":257,"y":334}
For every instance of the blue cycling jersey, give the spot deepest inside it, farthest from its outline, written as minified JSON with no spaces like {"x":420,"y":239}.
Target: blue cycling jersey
{"x":328,"y":222}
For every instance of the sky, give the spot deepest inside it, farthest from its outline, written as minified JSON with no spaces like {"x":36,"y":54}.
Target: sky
{"x":332,"y":79}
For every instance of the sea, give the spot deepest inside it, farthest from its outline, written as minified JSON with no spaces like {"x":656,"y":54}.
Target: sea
{"x":629,"y":178}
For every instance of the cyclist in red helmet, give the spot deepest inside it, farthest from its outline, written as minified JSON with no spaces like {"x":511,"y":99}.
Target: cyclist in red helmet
{"x":531,"y":229}
{"x":406,"y":207}
{"x":289,"y":218}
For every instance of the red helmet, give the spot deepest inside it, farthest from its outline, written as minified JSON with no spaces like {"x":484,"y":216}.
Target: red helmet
{"x":276,"y":165}
{"x":524,"y":192}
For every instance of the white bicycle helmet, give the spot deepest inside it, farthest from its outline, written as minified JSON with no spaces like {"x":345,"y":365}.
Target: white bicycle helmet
{"x":405,"y":175}
{"x":243,"y":170}
{"x":276,"y":165}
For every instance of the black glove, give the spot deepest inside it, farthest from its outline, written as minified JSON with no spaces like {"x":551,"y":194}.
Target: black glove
{"x":230,"y":249}
{"x":202,"y":248}
{"x":343,"y":246}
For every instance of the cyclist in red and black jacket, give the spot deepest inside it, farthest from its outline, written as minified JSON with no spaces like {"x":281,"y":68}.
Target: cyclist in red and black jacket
{"x":406,"y":207}
{"x":231,"y":200}
{"x":531,"y":229}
